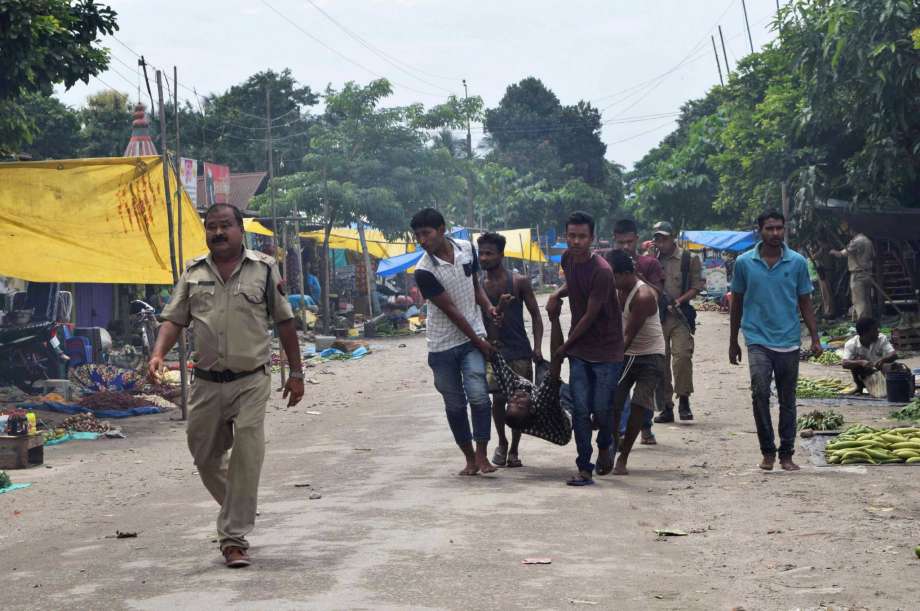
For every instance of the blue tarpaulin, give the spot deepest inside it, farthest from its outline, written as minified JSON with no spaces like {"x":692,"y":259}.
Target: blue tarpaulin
{"x":732,"y":241}
{"x":400,"y":263}
{"x":73,"y":408}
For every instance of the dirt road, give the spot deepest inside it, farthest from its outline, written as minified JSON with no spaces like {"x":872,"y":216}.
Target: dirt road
{"x":396,"y":528}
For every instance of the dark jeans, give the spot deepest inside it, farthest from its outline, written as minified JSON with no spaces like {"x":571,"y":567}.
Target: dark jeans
{"x":460,"y":376}
{"x":592,"y":385}
{"x":765,"y":365}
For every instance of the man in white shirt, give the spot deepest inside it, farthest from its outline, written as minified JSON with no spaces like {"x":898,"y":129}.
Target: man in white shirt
{"x":447,"y":276}
{"x":868,"y":353}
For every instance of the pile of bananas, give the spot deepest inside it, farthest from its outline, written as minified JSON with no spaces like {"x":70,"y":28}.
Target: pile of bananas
{"x":863,"y":444}
{"x":821,"y":421}
{"x":819,"y":388}
{"x":828,"y":357}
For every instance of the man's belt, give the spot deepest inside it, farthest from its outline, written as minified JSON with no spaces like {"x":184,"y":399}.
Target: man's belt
{"x":222,"y":377}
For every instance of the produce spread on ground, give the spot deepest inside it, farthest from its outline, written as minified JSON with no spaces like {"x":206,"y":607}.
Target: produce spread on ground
{"x":866,"y":445}
{"x":819,"y":388}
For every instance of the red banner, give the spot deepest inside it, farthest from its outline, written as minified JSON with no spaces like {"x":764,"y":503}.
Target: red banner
{"x":216,"y":183}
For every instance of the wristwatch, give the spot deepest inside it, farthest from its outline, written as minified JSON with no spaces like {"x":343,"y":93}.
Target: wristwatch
{"x":297,"y":375}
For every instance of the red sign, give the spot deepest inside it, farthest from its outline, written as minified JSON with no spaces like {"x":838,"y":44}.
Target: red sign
{"x":216,"y":183}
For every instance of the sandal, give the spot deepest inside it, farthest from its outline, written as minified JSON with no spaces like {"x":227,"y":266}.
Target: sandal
{"x":605,"y":465}
{"x":514,"y":461}
{"x":648,"y":440}
{"x":580,"y":480}
{"x":500,"y":456}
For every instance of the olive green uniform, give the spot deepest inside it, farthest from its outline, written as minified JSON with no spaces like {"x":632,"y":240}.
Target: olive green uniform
{"x":677,"y":337}
{"x":232,"y":326}
{"x":861,"y":265}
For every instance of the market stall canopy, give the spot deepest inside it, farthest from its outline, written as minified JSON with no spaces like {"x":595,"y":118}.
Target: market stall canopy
{"x":251,"y":225}
{"x":518,"y":246}
{"x":732,"y":241}
{"x":378,"y":246}
{"x":91,"y":220}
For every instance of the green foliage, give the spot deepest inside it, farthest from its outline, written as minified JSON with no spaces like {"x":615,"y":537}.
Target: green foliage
{"x":43,"y":43}
{"x":57,"y":130}
{"x":106,"y":124}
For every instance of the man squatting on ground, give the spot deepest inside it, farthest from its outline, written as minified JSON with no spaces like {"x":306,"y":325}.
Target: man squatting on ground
{"x":448,"y":277}
{"x":770,"y":287}
{"x":594,"y":345}
{"x":508,"y":292}
{"x":230,"y":297}
{"x":683,"y":280}
{"x":868,"y":354}
{"x":648,"y":270}
{"x":644,"y":349}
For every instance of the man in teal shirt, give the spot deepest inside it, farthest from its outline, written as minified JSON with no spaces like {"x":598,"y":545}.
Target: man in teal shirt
{"x":770,"y":287}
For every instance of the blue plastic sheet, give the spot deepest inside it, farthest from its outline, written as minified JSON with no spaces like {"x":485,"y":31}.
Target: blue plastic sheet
{"x":71,"y":408}
{"x":13,"y":487}
{"x":732,"y":241}
{"x":73,"y":436}
{"x":400,"y":263}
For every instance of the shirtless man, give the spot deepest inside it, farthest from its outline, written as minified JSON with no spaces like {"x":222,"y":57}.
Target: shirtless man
{"x":509,"y":292}
{"x":644,"y":350}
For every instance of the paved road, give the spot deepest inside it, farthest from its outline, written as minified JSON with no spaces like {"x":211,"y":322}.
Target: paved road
{"x":397,"y":529}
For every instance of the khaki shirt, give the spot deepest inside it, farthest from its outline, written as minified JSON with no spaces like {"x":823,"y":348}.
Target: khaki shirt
{"x":672,"y":275}
{"x":230,"y":320}
{"x":860,"y":255}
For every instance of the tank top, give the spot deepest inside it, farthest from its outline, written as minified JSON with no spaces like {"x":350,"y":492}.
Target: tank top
{"x":512,"y":336}
{"x":649,"y":338}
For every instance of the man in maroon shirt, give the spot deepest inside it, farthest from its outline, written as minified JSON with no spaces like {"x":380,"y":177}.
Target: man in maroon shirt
{"x":594,"y":345}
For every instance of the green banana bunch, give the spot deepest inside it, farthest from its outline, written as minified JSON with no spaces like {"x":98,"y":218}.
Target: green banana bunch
{"x":819,"y":388}
{"x":866,"y":445}
{"x":828,"y":357}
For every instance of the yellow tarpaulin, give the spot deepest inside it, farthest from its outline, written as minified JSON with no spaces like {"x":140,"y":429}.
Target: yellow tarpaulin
{"x":378,"y":246}
{"x":254,"y":226}
{"x":91,"y":220}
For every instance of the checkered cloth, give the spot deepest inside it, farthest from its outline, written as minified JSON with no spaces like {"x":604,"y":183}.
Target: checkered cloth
{"x":548,"y":420}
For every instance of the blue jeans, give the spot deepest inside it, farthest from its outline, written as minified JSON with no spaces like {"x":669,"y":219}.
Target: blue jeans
{"x":765,"y":365}
{"x":593,"y":385}
{"x":460,"y":377}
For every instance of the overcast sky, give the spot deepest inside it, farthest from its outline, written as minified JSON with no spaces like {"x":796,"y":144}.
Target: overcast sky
{"x":580,"y":49}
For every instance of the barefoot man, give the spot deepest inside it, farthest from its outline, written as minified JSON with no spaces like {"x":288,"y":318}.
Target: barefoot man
{"x":448,"y":277}
{"x":643,"y":345}
{"x":770,"y":287}
{"x":509,"y":292}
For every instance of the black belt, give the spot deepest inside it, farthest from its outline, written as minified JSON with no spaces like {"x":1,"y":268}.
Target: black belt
{"x":224,"y":376}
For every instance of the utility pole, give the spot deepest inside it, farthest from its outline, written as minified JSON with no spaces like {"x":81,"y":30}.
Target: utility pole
{"x":469,"y":157}
{"x":747,"y":25}
{"x":718,"y":64}
{"x":183,"y":344}
{"x":165,"y":158}
{"x":271,"y":199}
{"x":728,"y":70}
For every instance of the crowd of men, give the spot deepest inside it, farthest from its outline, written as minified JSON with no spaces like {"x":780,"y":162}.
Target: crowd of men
{"x":629,"y":346}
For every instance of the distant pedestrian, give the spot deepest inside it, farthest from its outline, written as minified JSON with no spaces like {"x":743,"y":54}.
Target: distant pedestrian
{"x":448,"y":277}
{"x":860,"y":255}
{"x":594,"y":345}
{"x":770,"y":288}
{"x":230,"y":298}
{"x":683,"y":281}
{"x":509,"y":292}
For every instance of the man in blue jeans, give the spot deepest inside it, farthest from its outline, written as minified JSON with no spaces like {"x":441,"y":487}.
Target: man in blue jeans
{"x":594,"y":345}
{"x":770,"y":287}
{"x":447,"y":276}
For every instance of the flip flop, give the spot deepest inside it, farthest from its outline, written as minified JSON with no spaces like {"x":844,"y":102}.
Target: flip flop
{"x":514,"y":462}
{"x":578,"y":480}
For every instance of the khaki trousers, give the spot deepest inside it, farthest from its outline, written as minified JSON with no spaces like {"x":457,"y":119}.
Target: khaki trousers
{"x":679,"y":358}
{"x":861,"y":294}
{"x":222,"y":416}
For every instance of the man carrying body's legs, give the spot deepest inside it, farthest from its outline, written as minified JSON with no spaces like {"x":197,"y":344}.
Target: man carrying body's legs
{"x":770,"y":287}
{"x":448,"y":277}
{"x":649,"y":270}
{"x":644,"y":349}
{"x":683,"y":280}
{"x":508,"y":292}
{"x":594,"y":345}
{"x":230,"y":297}
{"x":867,"y":355}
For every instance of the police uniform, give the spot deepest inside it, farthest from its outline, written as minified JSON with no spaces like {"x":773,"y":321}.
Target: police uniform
{"x":232,"y":325}
{"x":678,"y":340}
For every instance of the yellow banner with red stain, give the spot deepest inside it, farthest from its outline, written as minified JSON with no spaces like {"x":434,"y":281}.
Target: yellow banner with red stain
{"x":93,"y":220}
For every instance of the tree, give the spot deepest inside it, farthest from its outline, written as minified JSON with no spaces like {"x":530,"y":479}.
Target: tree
{"x":106,"y":124}
{"x":57,"y":130}
{"x":43,"y":43}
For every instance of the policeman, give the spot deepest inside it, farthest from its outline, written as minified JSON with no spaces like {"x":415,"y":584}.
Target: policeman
{"x":683,"y":280}
{"x":230,"y":297}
